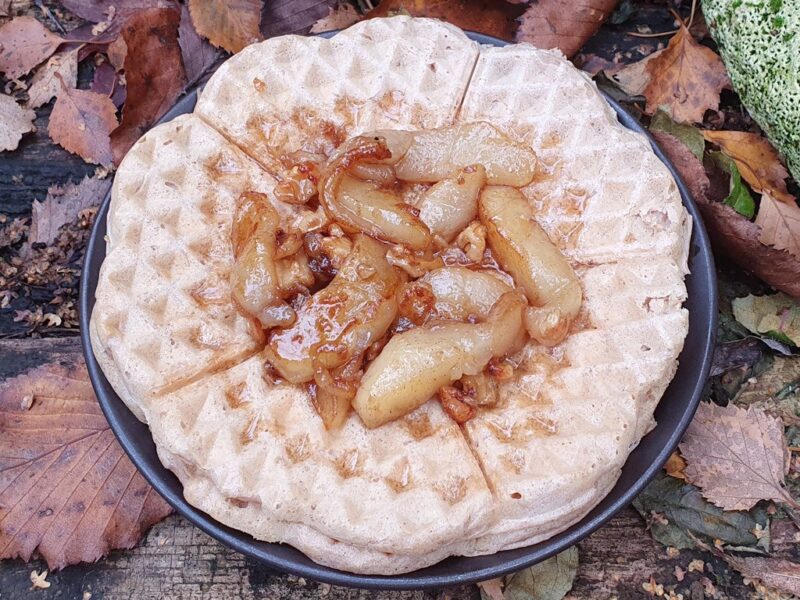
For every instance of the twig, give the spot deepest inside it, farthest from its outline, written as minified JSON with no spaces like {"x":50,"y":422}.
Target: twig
{"x":650,"y":35}
{"x":50,"y":17}
{"x":691,"y":15}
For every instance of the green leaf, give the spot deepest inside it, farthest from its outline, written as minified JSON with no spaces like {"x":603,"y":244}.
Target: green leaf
{"x":685,"y":510}
{"x":739,"y":197}
{"x":776,"y":316}
{"x":549,"y":580}
{"x":690,"y":136}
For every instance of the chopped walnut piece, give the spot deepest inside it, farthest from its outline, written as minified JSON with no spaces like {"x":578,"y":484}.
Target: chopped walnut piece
{"x":455,"y":405}
{"x":472,"y":240}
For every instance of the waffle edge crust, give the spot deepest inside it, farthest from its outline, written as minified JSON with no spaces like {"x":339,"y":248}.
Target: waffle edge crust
{"x":255,"y":456}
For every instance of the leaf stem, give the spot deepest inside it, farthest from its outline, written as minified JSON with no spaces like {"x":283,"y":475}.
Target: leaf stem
{"x":650,"y":35}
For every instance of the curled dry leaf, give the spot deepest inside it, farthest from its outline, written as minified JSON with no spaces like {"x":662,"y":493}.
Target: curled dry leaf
{"x":197,"y":54}
{"x":730,"y":231}
{"x":340,"y":17}
{"x":24,"y":43}
{"x":293,"y":16}
{"x":228,"y":24}
{"x":153,"y":73}
{"x":67,"y":489}
{"x":736,"y":456}
{"x":45,"y":84}
{"x":82,"y":122}
{"x":675,"y":466}
{"x":780,"y":224}
{"x":563,"y":24}
{"x":685,"y":76}
{"x":497,"y":19}
{"x":62,"y":206}
{"x":757,"y":160}
{"x":776,"y":573}
{"x":15,"y":121}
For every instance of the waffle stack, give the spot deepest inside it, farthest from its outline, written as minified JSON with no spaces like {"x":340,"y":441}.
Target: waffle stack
{"x":254,"y":454}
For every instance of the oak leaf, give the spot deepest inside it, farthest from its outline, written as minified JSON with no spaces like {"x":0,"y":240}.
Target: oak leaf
{"x":757,"y":160}
{"x":15,"y":121}
{"x":498,"y":19}
{"x":736,"y":456}
{"x":25,"y":43}
{"x":68,"y":491}
{"x":228,"y":24}
{"x":340,"y":17}
{"x":62,"y":206}
{"x":82,"y":122}
{"x":563,"y":24}
{"x":45,"y":85}
{"x":685,"y":76}
{"x":153,"y":72}
{"x":197,"y":54}
{"x":776,"y":573}
{"x":293,"y":16}
{"x":780,"y":224}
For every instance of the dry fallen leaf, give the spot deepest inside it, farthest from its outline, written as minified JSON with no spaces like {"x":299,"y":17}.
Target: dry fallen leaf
{"x":39,"y":580}
{"x":82,"y":122}
{"x":563,"y":24}
{"x":117,"y":51}
{"x":339,"y":17}
{"x":153,"y":72}
{"x":492,"y":589}
{"x":685,"y":76}
{"x":736,"y":456}
{"x":15,"y":121}
{"x":772,"y":572}
{"x":24,"y":43}
{"x":730,"y":231}
{"x":45,"y":85}
{"x":98,"y":11}
{"x":780,"y":224}
{"x":62,"y":206}
{"x":756,"y":159}
{"x":67,"y":489}
{"x":675,"y":466}
{"x":198,"y":55}
{"x":776,"y":315}
{"x":293,"y":16}
{"x":228,"y":24}
{"x":498,"y":19}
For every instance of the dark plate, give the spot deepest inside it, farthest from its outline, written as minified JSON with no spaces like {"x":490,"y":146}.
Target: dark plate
{"x":673,"y":415}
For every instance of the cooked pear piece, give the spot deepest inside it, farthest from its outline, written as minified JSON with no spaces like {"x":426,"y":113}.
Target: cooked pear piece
{"x":523,"y":249}
{"x":451,"y":204}
{"x":415,"y":364}
{"x":341,"y":321}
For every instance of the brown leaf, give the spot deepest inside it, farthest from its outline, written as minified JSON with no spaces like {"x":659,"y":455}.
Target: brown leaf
{"x":153,"y":72}
{"x":24,"y":43}
{"x":772,"y":572}
{"x":756,"y":159}
{"x":736,"y":456}
{"x":675,"y":466}
{"x":67,"y":489}
{"x":563,"y":24}
{"x":780,"y":224}
{"x":685,"y":76}
{"x":15,"y":121}
{"x":82,"y":122}
{"x":5,"y":8}
{"x":62,"y":206}
{"x":339,"y":17}
{"x":689,"y":167}
{"x":492,"y":589}
{"x":228,"y":24}
{"x":197,"y":54}
{"x":493,"y":18}
{"x":730,"y":231}
{"x":293,"y":16}
{"x":45,"y":85}
{"x":100,"y":10}
{"x":117,"y":51}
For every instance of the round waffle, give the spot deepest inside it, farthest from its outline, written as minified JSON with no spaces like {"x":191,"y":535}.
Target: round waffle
{"x":254,"y":454}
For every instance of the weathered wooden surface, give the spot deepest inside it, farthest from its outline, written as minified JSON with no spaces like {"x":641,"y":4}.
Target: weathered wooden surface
{"x":176,"y":560}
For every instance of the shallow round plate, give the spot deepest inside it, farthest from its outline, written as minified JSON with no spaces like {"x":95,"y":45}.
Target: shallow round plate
{"x":673,"y":415}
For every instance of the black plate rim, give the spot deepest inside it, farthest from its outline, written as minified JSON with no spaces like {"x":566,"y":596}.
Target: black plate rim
{"x":263,"y":552}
